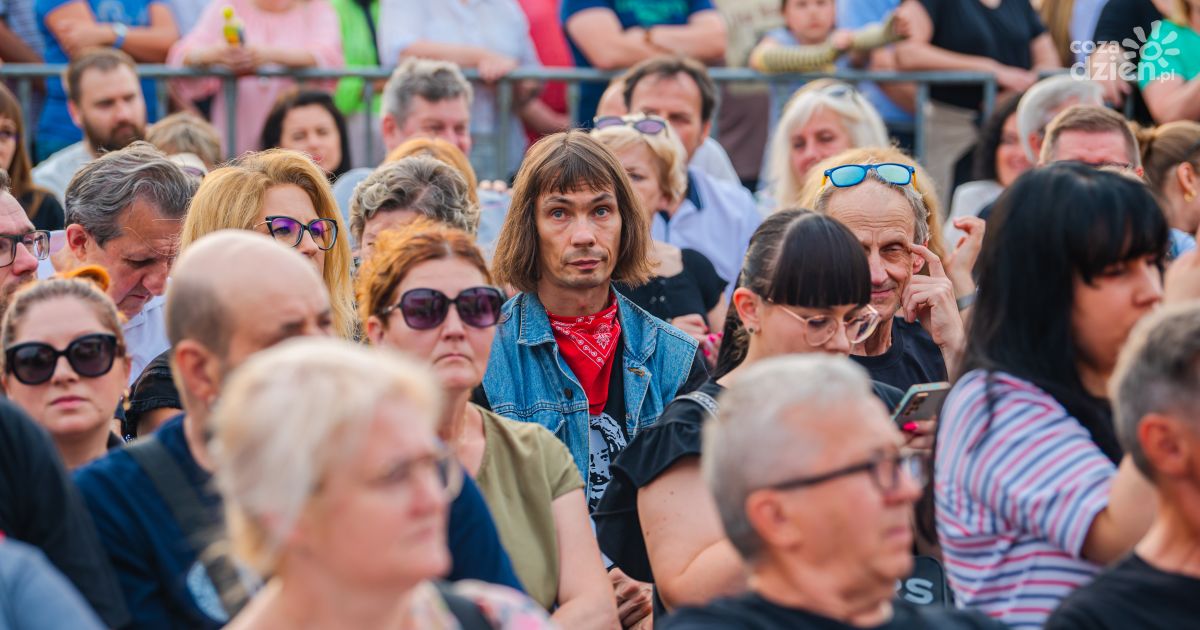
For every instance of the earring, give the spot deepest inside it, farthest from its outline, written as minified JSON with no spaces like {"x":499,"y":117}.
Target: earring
{"x":1189,"y":196}
{"x":752,"y":330}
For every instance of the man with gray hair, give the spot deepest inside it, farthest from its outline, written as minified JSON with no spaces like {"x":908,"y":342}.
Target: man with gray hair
{"x":399,"y":192}
{"x":124,"y":212}
{"x":422,"y":99}
{"x":1042,"y":102}
{"x":817,"y":496}
{"x":1156,"y":400}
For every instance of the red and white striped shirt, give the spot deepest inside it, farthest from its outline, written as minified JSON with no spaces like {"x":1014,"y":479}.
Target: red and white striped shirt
{"x":1017,"y":487}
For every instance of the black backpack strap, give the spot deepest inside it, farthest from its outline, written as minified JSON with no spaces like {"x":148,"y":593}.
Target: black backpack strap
{"x":201,"y":529}
{"x":706,"y":402}
{"x":469,"y":615}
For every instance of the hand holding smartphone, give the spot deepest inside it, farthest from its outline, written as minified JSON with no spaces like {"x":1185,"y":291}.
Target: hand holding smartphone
{"x":921,"y":402}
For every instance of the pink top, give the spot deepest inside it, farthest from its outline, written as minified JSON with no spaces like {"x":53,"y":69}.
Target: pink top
{"x":311,"y":24}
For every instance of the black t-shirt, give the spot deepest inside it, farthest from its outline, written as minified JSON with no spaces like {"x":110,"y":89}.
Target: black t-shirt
{"x":913,"y":358}
{"x":1132,"y":594}
{"x":1118,"y":21}
{"x":752,"y":612}
{"x":39,"y":505}
{"x":49,"y":213}
{"x":695,"y":290}
{"x":971,"y":28}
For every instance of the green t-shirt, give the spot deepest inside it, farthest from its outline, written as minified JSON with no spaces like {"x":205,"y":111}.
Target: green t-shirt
{"x":358,"y":48}
{"x":524,"y":469}
{"x":1172,"y":51}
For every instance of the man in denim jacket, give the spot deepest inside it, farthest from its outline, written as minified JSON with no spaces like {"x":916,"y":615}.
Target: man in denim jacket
{"x":571,"y":353}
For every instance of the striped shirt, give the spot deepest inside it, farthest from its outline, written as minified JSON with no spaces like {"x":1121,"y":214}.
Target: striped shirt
{"x":1017,"y":489}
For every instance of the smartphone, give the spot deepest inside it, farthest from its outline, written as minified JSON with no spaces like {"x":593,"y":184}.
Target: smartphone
{"x":921,"y":402}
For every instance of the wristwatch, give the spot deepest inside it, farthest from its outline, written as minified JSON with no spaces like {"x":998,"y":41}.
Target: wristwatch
{"x":120,"y":30}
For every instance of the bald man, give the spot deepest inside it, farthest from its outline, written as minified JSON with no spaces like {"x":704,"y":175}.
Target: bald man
{"x":154,"y":503}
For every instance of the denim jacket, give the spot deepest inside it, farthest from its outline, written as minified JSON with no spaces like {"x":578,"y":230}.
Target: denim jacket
{"x":528,"y":380}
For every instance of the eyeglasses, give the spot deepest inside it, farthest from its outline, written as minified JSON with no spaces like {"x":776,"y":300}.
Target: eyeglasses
{"x":34,"y":362}
{"x":423,"y":309}
{"x":36,"y":242}
{"x":848,"y":175}
{"x":884,"y":468}
{"x":819,"y":329}
{"x":290,"y":231}
{"x":649,"y":125}
{"x":440,"y":465}
{"x":7,"y":135}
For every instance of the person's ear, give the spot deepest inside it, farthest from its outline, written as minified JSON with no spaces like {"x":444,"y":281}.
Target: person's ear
{"x":375,"y":330}
{"x":769,"y":519}
{"x":705,"y":130}
{"x":1167,"y":444}
{"x":79,"y":241}
{"x":389,"y":129}
{"x":918,"y":262}
{"x":749,"y":308}
{"x":197,"y":372}
{"x":73,"y":110}
{"x":1185,"y":175}
{"x":1035,"y":146}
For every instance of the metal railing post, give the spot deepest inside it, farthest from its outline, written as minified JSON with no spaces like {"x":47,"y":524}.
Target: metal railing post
{"x":229,"y":88}
{"x":919,"y":121}
{"x":369,"y":118}
{"x":503,"y":128}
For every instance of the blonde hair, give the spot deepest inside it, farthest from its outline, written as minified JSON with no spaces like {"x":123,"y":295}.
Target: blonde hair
{"x":670,"y":158}
{"x":1167,"y":146}
{"x":922,"y":194}
{"x":232,"y":197}
{"x":86,"y":284}
{"x":329,"y":390}
{"x":861,"y":120}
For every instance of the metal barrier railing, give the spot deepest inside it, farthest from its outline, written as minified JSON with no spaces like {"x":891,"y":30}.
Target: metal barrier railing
{"x":23,"y":74}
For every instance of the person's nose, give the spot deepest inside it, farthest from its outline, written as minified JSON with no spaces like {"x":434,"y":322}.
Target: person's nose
{"x":840,"y":342}
{"x":63,"y":372}
{"x":583,"y":234}
{"x":307,"y":245}
{"x":427,"y":492}
{"x":879,"y":276}
{"x":908,"y":488}
{"x":1150,"y":286}
{"x":156,"y":280}
{"x":453,"y":327}
{"x":24,"y":262}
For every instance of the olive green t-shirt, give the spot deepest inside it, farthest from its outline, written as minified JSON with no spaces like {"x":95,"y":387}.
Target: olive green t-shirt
{"x":524,"y":469}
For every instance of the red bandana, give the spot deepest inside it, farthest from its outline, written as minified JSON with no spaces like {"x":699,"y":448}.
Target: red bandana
{"x":588,"y":345}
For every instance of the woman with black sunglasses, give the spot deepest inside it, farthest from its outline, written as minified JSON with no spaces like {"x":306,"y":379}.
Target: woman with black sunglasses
{"x":74,"y":399}
{"x":426,"y":290}
{"x":282,"y":194}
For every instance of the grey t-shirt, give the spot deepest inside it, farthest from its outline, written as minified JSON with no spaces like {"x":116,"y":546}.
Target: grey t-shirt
{"x":35,"y":596}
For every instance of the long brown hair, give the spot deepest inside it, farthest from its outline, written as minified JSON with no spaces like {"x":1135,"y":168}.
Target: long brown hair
{"x":565,"y":162}
{"x":20,"y":171}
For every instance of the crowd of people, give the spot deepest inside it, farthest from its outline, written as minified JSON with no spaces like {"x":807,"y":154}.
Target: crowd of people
{"x":665,"y":376}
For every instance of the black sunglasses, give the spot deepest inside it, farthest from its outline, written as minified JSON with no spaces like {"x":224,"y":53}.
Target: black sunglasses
{"x":290,"y":231}
{"x":424,"y":309}
{"x":648,"y":125}
{"x":34,"y":362}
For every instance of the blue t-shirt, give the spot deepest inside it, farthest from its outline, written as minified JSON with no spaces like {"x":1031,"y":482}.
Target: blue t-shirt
{"x":643,"y":13}
{"x":856,"y":14}
{"x":164,"y":584}
{"x":55,"y":129}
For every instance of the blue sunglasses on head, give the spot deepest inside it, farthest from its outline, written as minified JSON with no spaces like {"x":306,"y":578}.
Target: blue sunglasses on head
{"x":848,"y":175}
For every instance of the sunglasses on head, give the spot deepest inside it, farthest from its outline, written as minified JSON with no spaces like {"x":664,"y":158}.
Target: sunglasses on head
{"x":848,"y":175}
{"x":290,"y":231}
{"x":34,"y":362}
{"x":648,"y":125}
{"x":423,"y":309}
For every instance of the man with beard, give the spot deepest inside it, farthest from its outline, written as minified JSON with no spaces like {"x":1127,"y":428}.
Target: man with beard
{"x":20,"y":246}
{"x":105,"y":100}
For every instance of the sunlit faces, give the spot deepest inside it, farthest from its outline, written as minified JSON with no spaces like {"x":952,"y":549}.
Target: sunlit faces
{"x":676,"y":99}
{"x":311,"y":129}
{"x":1011,"y":160}
{"x":783,"y":333}
{"x":823,"y":135}
{"x":71,"y":407}
{"x":643,"y":166}
{"x":579,"y":235}
{"x":447,"y":119}
{"x":811,"y":21}
{"x":883,"y":221}
{"x":380,"y":222}
{"x":8,"y":142}
{"x":1103,"y":312}
{"x":138,"y":260}
{"x":379,"y":519}
{"x":457,"y":352}
{"x":849,"y":527}
{"x":111,"y":109}
{"x":1106,"y":148}
{"x":290,"y":200}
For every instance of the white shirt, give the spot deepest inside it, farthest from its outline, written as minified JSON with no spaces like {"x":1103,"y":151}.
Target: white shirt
{"x":56,"y":171}
{"x":711,"y":159}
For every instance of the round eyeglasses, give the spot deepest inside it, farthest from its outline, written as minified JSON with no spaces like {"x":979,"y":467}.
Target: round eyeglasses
{"x":819,"y":329}
{"x":290,"y":231}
